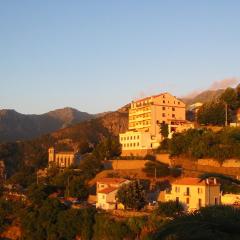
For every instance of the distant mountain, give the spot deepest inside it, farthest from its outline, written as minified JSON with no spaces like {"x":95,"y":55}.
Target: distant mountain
{"x":16,"y":126}
{"x":203,"y":97}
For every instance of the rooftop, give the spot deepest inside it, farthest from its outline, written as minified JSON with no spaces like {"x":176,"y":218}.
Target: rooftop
{"x":145,"y":98}
{"x":108,"y":190}
{"x":111,"y":180}
{"x":195,"y":181}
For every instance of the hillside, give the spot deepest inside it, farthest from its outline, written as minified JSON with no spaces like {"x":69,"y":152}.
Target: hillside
{"x":93,"y":130}
{"x":16,"y":126}
{"x":203,"y":97}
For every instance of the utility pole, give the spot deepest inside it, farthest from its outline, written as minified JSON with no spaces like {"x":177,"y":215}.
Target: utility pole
{"x":37,"y":178}
{"x":68,"y":186}
{"x":226,"y":114}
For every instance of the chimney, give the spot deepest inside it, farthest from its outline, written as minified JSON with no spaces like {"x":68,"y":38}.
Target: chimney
{"x":215,"y":181}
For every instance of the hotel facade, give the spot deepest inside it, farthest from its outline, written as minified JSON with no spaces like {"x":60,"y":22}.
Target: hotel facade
{"x":145,"y":118}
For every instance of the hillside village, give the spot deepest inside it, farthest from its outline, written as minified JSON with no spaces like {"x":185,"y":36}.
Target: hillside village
{"x":161,"y":163}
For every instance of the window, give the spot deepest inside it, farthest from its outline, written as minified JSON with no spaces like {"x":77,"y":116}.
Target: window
{"x":216,"y":201}
{"x":177,"y":199}
{"x":199,"y":190}
{"x":187,"y":200}
{"x":103,"y":196}
{"x":173,"y":115}
{"x":163,"y":101}
{"x":163,"y":108}
{"x":163,"y":115}
{"x":187,"y":191}
{"x":173,"y":109}
{"x":177,"y":189}
{"x":138,"y":143}
{"x":199,"y":202}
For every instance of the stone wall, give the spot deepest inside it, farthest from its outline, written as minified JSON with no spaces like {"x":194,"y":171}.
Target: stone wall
{"x":193,"y":168}
{"x":136,"y":152}
{"x":128,"y":164}
{"x":164,"y":158}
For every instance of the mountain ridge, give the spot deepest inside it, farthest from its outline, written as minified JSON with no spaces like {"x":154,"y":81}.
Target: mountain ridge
{"x":17,"y":126}
{"x":203,"y":97}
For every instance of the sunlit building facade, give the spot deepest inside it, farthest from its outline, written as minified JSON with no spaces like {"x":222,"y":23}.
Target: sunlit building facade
{"x":145,"y":118}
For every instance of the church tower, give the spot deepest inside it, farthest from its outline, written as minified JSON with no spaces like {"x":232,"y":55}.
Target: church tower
{"x":51,"y":155}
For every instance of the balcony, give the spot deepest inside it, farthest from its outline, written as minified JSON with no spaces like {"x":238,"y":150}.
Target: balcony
{"x":186,"y":194}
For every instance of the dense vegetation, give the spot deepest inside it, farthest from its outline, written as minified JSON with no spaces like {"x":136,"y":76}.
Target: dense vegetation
{"x":216,"y":222}
{"x":213,"y":112}
{"x":204,"y":143}
{"x":169,"y":209}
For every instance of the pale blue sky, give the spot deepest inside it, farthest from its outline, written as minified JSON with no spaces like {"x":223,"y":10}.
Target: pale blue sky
{"x":99,"y":55}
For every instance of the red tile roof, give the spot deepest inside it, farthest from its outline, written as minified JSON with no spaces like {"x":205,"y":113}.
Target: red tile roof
{"x":111,"y":180}
{"x":193,"y":181}
{"x":108,"y":190}
{"x":145,"y":98}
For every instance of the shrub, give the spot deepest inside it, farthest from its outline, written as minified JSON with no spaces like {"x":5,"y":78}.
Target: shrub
{"x":169,"y":209}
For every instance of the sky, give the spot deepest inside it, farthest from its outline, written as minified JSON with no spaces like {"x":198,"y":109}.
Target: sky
{"x":97,"y":56}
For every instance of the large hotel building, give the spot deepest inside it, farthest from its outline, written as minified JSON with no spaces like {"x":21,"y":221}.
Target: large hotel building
{"x":145,"y":118}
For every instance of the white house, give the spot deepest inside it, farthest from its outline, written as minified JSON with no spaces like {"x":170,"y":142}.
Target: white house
{"x":106,"y":192}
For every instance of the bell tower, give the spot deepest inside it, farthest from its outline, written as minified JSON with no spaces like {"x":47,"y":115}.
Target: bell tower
{"x":51,"y":154}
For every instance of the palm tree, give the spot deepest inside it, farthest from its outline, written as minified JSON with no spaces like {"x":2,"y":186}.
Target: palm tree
{"x":215,"y":222}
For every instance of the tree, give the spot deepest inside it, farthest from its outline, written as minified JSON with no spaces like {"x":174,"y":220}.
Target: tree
{"x":77,"y":188}
{"x":215,"y":222}
{"x":132,"y":195}
{"x":38,"y":193}
{"x":212,"y":113}
{"x":90,"y":166}
{"x":230,"y":97}
{"x":107,"y":148}
{"x":164,"y":130}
